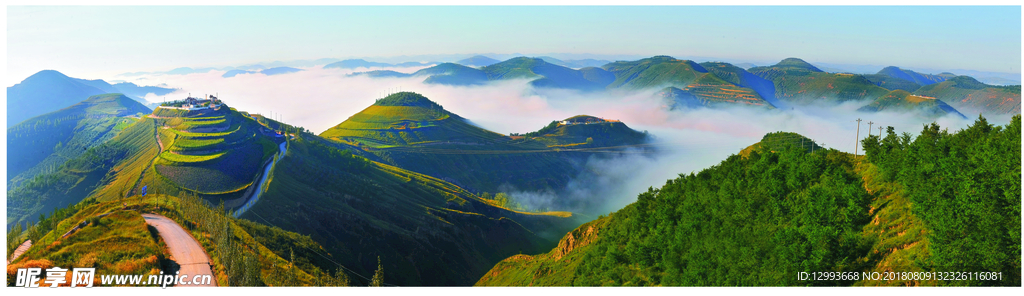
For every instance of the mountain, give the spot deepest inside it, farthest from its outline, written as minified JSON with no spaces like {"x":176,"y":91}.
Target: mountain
{"x":452,"y":74}
{"x":901,"y":100}
{"x":575,"y":64}
{"x":409,"y":131}
{"x":236,"y":72}
{"x":921,"y":79}
{"x":658,"y":71}
{"x":215,"y":154}
{"x":544,"y":74}
{"x":41,"y":144}
{"x":893,"y":83}
{"x":139,"y":92}
{"x":740,"y":77}
{"x":478,"y":61}
{"x":757,"y":219}
{"x":355,"y":63}
{"x":745,"y":65}
{"x":381,"y":74}
{"x":970,"y":96}
{"x":584,"y":131}
{"x":424,"y":230}
{"x":44,"y":92}
{"x":279,"y":70}
{"x":669,"y":237}
{"x":797,"y":81}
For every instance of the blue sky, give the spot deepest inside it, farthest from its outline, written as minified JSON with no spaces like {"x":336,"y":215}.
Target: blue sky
{"x":96,"y":42}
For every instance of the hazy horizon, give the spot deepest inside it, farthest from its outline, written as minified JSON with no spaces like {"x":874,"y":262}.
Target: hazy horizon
{"x":99,"y":42}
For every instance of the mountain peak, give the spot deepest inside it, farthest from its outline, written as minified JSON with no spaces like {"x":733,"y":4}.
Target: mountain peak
{"x":797,"y":63}
{"x":408,"y":99}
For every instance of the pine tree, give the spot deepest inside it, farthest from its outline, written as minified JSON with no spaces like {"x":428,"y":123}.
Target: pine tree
{"x":378,"y":276}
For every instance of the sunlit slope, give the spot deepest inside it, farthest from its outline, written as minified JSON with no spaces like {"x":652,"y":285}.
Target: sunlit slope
{"x":116,"y":240}
{"x":800,"y":82}
{"x":425,"y":230}
{"x":407,"y":119}
{"x":658,"y":71}
{"x":759,"y":218}
{"x":903,"y":101}
{"x":732,"y":224}
{"x":217,"y":154}
{"x":110,"y":170}
{"x":409,"y":131}
{"x":42,"y":143}
{"x":584,"y":131}
{"x":967,"y":94}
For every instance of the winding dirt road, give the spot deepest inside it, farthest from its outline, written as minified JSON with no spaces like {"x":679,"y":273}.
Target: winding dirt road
{"x":185,"y":250}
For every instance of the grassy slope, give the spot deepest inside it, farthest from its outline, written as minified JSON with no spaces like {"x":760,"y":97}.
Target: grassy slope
{"x":892,"y":83}
{"x":121,"y":243}
{"x":601,"y":134}
{"x":798,"y":81}
{"x":426,"y":231}
{"x":109,"y":170}
{"x":658,"y":71}
{"x":424,"y":138}
{"x":969,"y":95}
{"x":32,"y":146}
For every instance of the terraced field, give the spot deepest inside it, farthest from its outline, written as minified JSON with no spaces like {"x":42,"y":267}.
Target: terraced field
{"x":418,"y":121}
{"x":218,"y":154}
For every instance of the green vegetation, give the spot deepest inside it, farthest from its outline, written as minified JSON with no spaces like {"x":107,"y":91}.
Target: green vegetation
{"x":965,"y":186}
{"x":658,"y":71}
{"x":119,"y":242}
{"x":901,"y":100}
{"x":41,"y":144}
{"x":425,"y":230}
{"x":758,"y":220}
{"x":967,"y":94}
{"x":800,"y":82}
{"x":93,"y":170}
{"x":747,"y":221}
{"x":892,"y":83}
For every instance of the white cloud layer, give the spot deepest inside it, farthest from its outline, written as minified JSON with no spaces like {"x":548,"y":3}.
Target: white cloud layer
{"x":691,"y":140}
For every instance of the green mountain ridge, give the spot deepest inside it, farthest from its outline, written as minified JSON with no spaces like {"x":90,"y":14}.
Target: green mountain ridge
{"x":42,"y":143}
{"x":761,"y":217}
{"x":968,"y":95}
{"x":901,"y":100}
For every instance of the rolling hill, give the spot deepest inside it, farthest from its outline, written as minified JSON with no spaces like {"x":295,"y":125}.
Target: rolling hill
{"x":426,"y":231}
{"x":658,"y":71}
{"x":903,"y":101}
{"x":970,"y":96}
{"x":799,"y":82}
{"x":894,"y":78}
{"x":44,"y":92}
{"x":409,"y":131}
{"x":279,"y":70}
{"x":760,"y":218}
{"x":477,"y":61}
{"x":41,"y":144}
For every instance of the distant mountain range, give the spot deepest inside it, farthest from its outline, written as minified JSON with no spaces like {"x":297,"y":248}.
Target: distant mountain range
{"x":49,"y":90}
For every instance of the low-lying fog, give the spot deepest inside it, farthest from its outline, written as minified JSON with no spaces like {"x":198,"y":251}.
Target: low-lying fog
{"x":689,"y":140}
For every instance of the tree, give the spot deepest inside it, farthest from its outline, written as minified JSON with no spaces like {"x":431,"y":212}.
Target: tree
{"x":378,"y":276}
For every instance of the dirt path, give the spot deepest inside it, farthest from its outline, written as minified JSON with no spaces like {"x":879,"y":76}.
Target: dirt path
{"x":20,"y":250}
{"x":185,"y":250}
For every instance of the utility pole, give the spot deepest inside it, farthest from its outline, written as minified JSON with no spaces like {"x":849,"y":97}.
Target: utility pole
{"x":879,"y":131}
{"x":857,"y":146}
{"x":869,"y":127}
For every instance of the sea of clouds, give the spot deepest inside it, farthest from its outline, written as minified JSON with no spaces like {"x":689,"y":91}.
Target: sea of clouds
{"x":688,"y":140}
